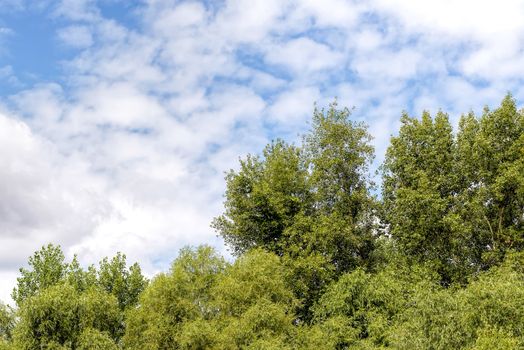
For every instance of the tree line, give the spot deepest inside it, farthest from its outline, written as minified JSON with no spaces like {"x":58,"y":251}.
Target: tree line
{"x":434,"y":262}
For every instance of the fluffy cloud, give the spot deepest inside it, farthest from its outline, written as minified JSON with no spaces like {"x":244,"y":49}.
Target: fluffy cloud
{"x":293,"y":108}
{"x":494,"y":30}
{"x":126,"y":151}
{"x":76,"y":36}
{"x":46,"y":197}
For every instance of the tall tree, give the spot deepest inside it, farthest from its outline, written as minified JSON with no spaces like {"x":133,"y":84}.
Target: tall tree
{"x":495,"y":182}
{"x":457,"y":200}
{"x":418,"y":190}
{"x":309,"y":204}
{"x":338,"y":152}
{"x":325,"y":179}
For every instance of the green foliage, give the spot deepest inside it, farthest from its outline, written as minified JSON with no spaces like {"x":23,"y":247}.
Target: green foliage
{"x":263,"y":198}
{"x":271,"y":200}
{"x":125,"y":284}
{"x":418,"y":191}
{"x":47,"y":269}
{"x":92,"y":339}
{"x":466,"y":318}
{"x":205,"y":303}
{"x":491,"y":154}
{"x":58,"y":301}
{"x":175,"y":299}
{"x":59,"y":314}
{"x":363,"y":306}
{"x":490,"y":339}
{"x":338,"y":152}
{"x":79,"y":278}
{"x":457,"y":200}
{"x":7,"y":322}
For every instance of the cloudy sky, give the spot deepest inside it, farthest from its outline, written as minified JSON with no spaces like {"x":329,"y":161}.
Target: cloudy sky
{"x":119,"y":118}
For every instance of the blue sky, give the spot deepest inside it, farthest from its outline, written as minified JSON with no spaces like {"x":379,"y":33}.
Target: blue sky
{"x":119,"y":118}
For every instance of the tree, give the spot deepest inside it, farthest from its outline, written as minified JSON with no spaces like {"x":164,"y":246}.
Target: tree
{"x":92,"y":339}
{"x":309,"y":204}
{"x":173,"y":299}
{"x":256,"y":304}
{"x":360,"y":308}
{"x":7,"y":323}
{"x":338,"y":152}
{"x":418,"y":191}
{"x":486,"y":311}
{"x":457,"y":200}
{"x":58,"y":316}
{"x":47,"y":268}
{"x":263,"y":198}
{"x":491,"y":164}
{"x":58,"y":301}
{"x":125,"y":284}
{"x":204,"y":302}
{"x":326,"y":178}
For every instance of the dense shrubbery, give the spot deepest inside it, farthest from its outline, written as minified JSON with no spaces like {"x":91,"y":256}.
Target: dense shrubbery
{"x":436,"y":263}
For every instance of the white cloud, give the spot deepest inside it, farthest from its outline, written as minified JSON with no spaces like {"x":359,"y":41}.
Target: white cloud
{"x":294,"y":108}
{"x":76,"y":36}
{"x":490,"y":32}
{"x":304,"y":56}
{"x":187,"y":14}
{"x":5,"y":31}
{"x":7,"y":75}
{"x":477,"y":18}
{"x":250,"y":21}
{"x":45,"y":196}
{"x":117,"y":105}
{"x":77,"y":10}
{"x":402,"y":64}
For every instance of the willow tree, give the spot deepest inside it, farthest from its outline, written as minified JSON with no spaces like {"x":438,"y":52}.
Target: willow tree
{"x":62,"y":305}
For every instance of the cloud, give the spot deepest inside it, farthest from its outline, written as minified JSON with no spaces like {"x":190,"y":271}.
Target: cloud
{"x":331,"y":13}
{"x":293,"y":108}
{"x":402,"y":64}
{"x":7,"y":75}
{"x":490,"y":32}
{"x":5,"y":31}
{"x":245,"y":21}
{"x":45,"y":196}
{"x":11,"y":5}
{"x":76,"y":10}
{"x":464,"y":18}
{"x":304,"y":56}
{"x":76,"y":36}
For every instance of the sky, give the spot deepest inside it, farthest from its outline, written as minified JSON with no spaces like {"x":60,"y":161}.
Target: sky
{"x":118,"y":118}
